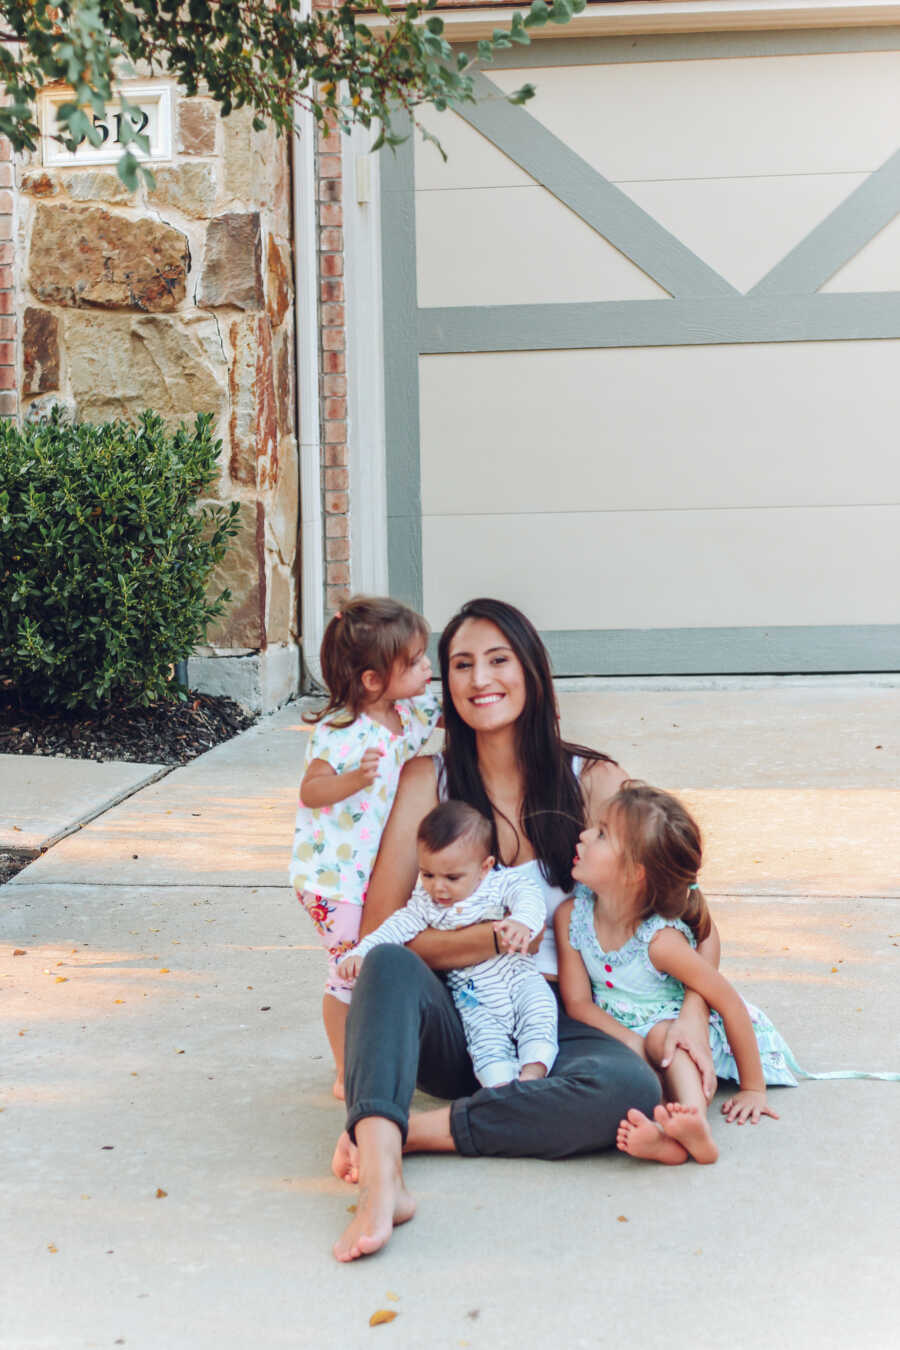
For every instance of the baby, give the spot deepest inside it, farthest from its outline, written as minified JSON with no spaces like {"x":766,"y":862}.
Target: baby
{"x":507,"y":1009}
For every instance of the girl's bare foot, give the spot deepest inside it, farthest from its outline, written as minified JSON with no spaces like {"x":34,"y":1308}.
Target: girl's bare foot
{"x":640,"y":1137}
{"x":383,"y":1200}
{"x":345,"y":1162}
{"x":686,"y":1126}
{"x":528,"y":1071}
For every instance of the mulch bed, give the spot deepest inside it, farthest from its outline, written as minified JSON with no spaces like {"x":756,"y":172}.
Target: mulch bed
{"x":165,"y":733}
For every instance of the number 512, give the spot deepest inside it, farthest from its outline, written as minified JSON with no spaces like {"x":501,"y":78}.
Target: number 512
{"x":137,"y":116}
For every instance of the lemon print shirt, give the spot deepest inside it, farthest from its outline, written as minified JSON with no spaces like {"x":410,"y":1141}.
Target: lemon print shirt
{"x":335,"y":846}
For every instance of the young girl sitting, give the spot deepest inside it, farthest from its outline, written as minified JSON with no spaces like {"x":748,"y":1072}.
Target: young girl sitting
{"x":378,"y":715}
{"x":505,"y":1005}
{"x":626,"y":955}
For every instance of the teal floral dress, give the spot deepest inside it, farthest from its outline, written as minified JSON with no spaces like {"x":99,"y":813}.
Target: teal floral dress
{"x":627,"y":985}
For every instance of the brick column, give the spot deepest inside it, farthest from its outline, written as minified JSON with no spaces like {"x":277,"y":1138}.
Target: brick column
{"x":8,"y":367}
{"x":333,"y":370}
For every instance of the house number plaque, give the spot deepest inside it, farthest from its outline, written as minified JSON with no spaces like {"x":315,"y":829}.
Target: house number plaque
{"x":150,"y":111}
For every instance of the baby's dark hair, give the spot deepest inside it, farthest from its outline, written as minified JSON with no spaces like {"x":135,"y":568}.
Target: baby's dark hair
{"x":659,"y":834}
{"x":451,"y":821}
{"x":370,"y":632}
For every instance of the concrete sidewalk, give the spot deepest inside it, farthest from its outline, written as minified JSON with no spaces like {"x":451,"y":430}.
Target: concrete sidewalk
{"x":164,"y":1034}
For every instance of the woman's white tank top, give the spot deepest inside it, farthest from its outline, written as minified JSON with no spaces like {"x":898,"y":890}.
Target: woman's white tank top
{"x":546,"y":959}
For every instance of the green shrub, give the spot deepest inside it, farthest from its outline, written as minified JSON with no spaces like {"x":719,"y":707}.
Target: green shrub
{"x":104,"y":556}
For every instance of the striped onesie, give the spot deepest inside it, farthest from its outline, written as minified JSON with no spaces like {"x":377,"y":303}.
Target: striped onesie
{"x":507,"y":1008}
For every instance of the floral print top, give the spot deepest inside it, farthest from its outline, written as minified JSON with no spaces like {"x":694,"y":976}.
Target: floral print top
{"x":335,"y":846}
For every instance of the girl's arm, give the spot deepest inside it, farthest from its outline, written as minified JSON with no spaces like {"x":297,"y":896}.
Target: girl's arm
{"x":321,"y":786}
{"x":690,"y":1030}
{"x":396,"y":869}
{"x":671,"y":952}
{"x":575,"y":987}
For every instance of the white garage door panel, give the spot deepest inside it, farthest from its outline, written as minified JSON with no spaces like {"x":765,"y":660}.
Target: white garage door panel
{"x":723,"y":118}
{"x":671,"y":569}
{"x":742,"y":227}
{"x":472,"y":161}
{"x":875,"y":268}
{"x":466,"y":258}
{"x":769,"y":424}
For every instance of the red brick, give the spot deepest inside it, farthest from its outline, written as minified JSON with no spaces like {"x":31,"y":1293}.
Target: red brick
{"x":6,"y":278}
{"x":7,"y":254}
{"x":335,"y":596}
{"x":332,"y":292}
{"x":332,"y":314}
{"x":335,"y":409}
{"x":332,"y":265}
{"x":6,"y":302}
{"x":330,"y":213}
{"x":334,"y":432}
{"x":331,"y":190}
{"x":335,"y":456}
{"x":9,"y":405}
{"x":6,"y":228}
{"x":331,"y":241}
{"x":334,"y":363}
{"x":333,"y":339}
{"x":8,"y":358}
{"x":337,"y":527}
{"x":6,"y":203}
{"x":8,"y":380}
{"x":7,"y":328}
{"x":6,"y":175}
{"x":337,"y":480}
{"x":5,"y":149}
{"x":337,"y":573}
{"x":330,"y":166}
{"x":337,"y":550}
{"x":334,"y":386}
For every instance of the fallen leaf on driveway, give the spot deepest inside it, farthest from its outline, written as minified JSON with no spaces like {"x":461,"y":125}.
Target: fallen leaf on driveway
{"x":20,"y":951}
{"x":621,"y":1219}
{"x":160,"y":1193}
{"x":381,"y":1315}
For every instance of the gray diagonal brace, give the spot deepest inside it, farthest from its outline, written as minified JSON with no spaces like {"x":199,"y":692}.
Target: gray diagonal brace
{"x":597,"y":201}
{"x":839,"y":237}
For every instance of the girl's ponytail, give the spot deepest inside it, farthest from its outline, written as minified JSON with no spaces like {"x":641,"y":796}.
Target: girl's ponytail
{"x":370,"y":632}
{"x":660,"y":835}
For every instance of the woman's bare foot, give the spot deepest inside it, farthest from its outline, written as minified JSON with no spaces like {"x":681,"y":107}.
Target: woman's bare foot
{"x":384,"y":1201}
{"x":337,"y":1089}
{"x":529,"y":1071}
{"x":686,"y":1126}
{"x":640,"y":1137}
{"x":345,"y":1162}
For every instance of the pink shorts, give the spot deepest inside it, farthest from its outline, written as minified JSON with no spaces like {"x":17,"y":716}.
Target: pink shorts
{"x":337,"y":923}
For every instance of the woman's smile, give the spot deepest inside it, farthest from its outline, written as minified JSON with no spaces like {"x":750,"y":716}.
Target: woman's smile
{"x":485,"y":672}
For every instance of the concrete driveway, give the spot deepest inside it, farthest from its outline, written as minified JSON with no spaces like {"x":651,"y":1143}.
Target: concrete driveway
{"x":166,"y":1115}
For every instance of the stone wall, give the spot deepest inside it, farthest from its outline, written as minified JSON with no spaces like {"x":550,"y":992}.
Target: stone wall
{"x":179,"y":298}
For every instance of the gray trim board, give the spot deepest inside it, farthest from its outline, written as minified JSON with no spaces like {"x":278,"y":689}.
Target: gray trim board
{"x":401,"y":374}
{"x":598,"y":51}
{"x":659,"y":323}
{"x":598,"y":202}
{"x":852,"y":224}
{"x":725,"y":651}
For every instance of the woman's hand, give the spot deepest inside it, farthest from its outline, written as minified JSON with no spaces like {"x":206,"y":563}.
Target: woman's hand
{"x":512,"y":936}
{"x":691,"y":1036}
{"x":747,"y":1104}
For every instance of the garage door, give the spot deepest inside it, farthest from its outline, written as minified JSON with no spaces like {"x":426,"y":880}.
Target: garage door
{"x":642,"y":347}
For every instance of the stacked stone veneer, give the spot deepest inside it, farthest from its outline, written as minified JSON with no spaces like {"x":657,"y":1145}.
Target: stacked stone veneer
{"x":180,"y":299}
{"x":8,"y":382}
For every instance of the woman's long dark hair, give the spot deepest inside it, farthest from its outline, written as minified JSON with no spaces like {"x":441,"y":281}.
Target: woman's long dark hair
{"x":553,"y":806}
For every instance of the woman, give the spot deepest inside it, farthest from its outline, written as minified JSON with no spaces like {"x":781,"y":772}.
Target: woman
{"x":503,"y":754}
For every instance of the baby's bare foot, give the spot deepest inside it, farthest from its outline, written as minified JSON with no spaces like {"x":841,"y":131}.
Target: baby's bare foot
{"x":528,"y":1071}
{"x":345,"y":1162}
{"x":689,"y":1128}
{"x":642,"y":1139}
{"x":383,"y":1204}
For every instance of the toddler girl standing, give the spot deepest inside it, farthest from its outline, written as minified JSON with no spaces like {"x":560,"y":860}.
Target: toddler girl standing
{"x":626,"y":955}
{"x":378,"y":715}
